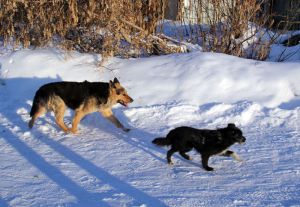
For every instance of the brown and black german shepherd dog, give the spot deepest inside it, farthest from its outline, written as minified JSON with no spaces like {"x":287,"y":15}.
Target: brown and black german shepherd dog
{"x":83,"y":97}
{"x":207,"y":142}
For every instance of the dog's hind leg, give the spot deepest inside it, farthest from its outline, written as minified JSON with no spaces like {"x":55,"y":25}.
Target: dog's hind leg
{"x":38,"y":113}
{"x":229,"y":153}
{"x":185,"y":156}
{"x":169,"y":154}
{"x":59,"y":112}
{"x":205,"y":158}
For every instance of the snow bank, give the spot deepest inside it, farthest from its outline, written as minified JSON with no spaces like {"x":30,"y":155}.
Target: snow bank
{"x":200,"y":78}
{"x":196,"y":78}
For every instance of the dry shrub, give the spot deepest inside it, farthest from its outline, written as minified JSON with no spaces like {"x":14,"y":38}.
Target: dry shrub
{"x":242,"y":28}
{"x":229,"y":27}
{"x":101,"y":26}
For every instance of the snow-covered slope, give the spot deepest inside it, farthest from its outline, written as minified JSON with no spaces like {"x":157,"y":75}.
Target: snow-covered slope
{"x":103,"y":166}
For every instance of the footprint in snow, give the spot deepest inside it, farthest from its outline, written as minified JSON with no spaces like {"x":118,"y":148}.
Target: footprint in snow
{"x":26,"y":135}
{"x":22,"y":111}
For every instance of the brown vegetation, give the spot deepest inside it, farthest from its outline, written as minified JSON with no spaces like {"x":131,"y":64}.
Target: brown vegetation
{"x":109,"y":27}
{"x":243,"y":28}
{"x":128,"y":28}
{"x":230,"y":26}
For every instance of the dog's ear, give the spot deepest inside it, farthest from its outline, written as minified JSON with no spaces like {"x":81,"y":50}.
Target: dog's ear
{"x":112,"y":84}
{"x":231,"y":125}
{"x":116,"y":80}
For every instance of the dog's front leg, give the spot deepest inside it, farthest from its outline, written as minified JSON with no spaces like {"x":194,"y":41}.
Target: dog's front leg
{"x":110,"y":116}
{"x":229,"y":153}
{"x":77,"y":117}
{"x":205,"y":158}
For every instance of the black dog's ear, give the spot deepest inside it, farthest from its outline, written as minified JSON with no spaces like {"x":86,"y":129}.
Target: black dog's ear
{"x":231,"y":125}
{"x":116,"y":80}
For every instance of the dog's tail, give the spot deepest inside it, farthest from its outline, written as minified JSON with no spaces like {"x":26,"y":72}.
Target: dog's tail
{"x":162,"y":141}
{"x":38,"y":101}
{"x":34,"y":107}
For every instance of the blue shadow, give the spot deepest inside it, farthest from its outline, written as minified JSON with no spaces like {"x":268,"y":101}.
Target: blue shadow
{"x":85,"y":198}
{"x":3,"y":203}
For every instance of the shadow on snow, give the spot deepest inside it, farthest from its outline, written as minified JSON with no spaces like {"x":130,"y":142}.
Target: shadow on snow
{"x":23,"y":89}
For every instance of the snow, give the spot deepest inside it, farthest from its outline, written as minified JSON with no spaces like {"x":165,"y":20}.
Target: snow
{"x":104,"y":166}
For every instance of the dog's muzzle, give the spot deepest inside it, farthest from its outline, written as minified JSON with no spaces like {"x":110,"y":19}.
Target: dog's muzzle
{"x":122,"y":102}
{"x":242,"y":140}
{"x":130,"y":100}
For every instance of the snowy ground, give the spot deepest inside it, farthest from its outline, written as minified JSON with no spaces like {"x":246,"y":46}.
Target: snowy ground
{"x":104,"y":166}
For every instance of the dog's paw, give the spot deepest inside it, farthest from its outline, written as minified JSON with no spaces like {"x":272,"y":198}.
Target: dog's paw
{"x":126,"y":129}
{"x":73,"y":131}
{"x":170,"y":163}
{"x":209,"y":168}
{"x":236,"y":157}
{"x":239,"y":160}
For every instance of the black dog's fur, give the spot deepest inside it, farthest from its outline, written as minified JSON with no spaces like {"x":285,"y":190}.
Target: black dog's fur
{"x":83,"y":97}
{"x":206,"y":142}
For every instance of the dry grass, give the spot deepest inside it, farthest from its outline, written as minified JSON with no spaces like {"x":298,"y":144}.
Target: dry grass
{"x":127,"y":28}
{"x":99,"y":26}
{"x":240,"y":28}
{"x":228,"y":23}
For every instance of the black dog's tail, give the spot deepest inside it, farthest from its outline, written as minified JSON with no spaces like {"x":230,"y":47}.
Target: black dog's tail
{"x":162,"y":141}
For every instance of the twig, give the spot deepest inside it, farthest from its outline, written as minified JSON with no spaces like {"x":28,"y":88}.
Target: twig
{"x":154,"y":37}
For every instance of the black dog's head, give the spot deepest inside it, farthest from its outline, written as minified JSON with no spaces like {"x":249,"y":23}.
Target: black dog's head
{"x":235,"y":134}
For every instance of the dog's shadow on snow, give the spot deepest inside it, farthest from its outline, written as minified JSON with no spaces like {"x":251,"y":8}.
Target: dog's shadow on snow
{"x":3,"y":203}
{"x":137,"y":138}
{"x":22,"y":90}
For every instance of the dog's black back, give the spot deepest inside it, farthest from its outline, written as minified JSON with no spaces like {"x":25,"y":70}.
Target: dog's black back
{"x":206,"y":142}
{"x":72,"y":93}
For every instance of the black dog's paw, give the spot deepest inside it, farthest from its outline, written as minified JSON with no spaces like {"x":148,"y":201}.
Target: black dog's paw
{"x":126,"y":129}
{"x":170,"y":163}
{"x":209,"y":168}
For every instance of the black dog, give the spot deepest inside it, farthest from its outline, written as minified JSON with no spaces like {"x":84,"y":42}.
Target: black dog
{"x":206,"y":142}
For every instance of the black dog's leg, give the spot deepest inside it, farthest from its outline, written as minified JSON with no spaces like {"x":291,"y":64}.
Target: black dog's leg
{"x":185,"y":156}
{"x":169,"y":154}
{"x":229,"y":153}
{"x":205,"y":162}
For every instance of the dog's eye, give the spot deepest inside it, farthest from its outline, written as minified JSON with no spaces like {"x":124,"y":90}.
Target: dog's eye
{"x":118,"y":92}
